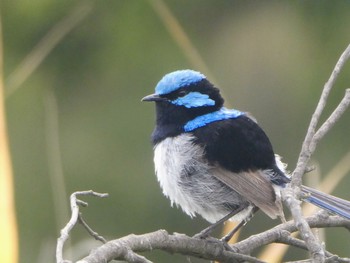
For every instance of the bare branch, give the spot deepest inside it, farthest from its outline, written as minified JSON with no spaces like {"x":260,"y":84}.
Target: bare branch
{"x":313,"y":245}
{"x":212,"y":249}
{"x":89,"y":229}
{"x":74,"y":203}
{"x":274,"y":234}
{"x":333,"y":118}
{"x":306,"y":152}
{"x":308,"y":148}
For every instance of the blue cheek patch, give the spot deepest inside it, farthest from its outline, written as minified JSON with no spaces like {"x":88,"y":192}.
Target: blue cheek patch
{"x":194,"y":100}
{"x":222,"y":114}
{"x":178,"y":79}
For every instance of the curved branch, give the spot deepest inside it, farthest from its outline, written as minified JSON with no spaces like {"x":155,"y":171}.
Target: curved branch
{"x":74,"y":203}
{"x":212,"y":249}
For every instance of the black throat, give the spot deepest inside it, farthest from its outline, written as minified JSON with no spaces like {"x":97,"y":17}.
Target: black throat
{"x":171,"y":119}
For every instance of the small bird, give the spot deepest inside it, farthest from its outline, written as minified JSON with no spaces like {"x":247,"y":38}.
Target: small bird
{"x":218,"y":162}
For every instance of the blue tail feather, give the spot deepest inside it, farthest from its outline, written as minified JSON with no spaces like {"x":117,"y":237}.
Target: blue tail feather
{"x":327,"y":202}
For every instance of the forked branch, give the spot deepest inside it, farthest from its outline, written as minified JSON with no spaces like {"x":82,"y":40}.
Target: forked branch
{"x":312,"y":137}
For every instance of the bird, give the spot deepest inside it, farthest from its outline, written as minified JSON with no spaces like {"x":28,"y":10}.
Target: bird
{"x":218,"y":162}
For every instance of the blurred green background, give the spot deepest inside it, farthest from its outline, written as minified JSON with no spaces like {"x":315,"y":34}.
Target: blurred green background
{"x":79,"y":115}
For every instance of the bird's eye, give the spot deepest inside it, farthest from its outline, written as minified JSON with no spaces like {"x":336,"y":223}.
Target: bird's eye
{"x":182,"y":93}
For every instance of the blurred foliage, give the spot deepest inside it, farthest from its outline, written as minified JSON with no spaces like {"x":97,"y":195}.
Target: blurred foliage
{"x":270,"y":58}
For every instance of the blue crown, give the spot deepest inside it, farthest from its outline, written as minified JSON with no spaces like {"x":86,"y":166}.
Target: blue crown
{"x":178,"y":79}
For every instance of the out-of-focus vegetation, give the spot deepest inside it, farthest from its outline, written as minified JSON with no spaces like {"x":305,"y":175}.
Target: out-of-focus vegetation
{"x":77,"y":123}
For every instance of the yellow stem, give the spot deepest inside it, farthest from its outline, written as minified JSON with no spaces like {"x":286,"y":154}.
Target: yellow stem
{"x":8,"y":222}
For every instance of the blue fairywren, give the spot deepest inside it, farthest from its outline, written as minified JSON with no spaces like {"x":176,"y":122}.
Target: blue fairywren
{"x":214,"y":161}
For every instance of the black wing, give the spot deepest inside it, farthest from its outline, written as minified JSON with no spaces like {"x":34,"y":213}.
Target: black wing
{"x":239,"y":145}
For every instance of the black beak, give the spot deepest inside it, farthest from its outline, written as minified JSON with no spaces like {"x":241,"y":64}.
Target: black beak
{"x":153,"y":97}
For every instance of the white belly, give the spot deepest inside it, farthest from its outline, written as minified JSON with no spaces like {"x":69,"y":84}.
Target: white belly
{"x":187,"y":181}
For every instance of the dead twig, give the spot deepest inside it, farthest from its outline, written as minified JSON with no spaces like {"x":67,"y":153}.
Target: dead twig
{"x":309,"y":145}
{"x":74,"y":203}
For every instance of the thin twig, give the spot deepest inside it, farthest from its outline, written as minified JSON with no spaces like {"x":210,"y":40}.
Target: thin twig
{"x":274,"y":234}
{"x":308,"y":148}
{"x":333,"y":118}
{"x":306,"y":152}
{"x":295,"y":242}
{"x":90,"y":231}
{"x":74,"y":203}
{"x":327,"y":185}
{"x":315,"y":248}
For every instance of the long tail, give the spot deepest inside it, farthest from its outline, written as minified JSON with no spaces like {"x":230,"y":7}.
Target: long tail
{"x":327,"y":202}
